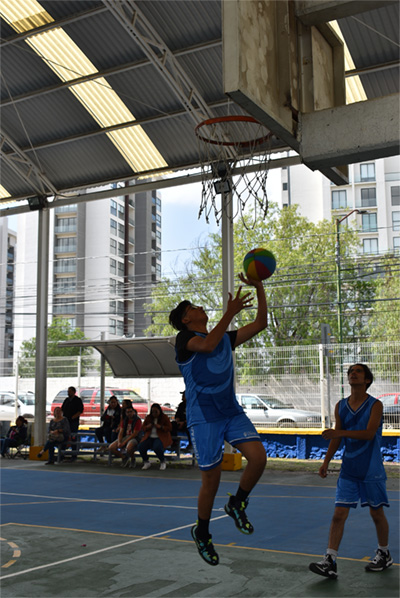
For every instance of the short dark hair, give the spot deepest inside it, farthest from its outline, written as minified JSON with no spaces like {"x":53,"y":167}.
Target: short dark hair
{"x":175,"y":317}
{"x":367,"y":372}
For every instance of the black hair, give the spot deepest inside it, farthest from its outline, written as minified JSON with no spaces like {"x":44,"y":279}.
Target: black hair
{"x":175,"y":317}
{"x":367,"y":372}
{"x":158,"y":407}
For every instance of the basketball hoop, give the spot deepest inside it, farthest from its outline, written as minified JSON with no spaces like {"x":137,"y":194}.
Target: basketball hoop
{"x":234,"y":156}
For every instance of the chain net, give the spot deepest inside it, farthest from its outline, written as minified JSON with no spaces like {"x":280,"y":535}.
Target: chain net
{"x":234,"y":156}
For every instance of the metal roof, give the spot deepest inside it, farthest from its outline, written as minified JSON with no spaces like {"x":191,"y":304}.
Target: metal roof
{"x":136,"y":358}
{"x":52,"y":133}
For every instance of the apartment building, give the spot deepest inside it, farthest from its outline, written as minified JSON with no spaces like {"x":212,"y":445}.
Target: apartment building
{"x":8,"y":240}
{"x":374,"y":189}
{"x":105,"y":256}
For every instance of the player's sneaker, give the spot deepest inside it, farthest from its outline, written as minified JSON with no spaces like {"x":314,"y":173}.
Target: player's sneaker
{"x":163,"y":466}
{"x":236,"y":510}
{"x":326,"y":567}
{"x":146,"y":465}
{"x":382,"y":560}
{"x":206,"y":548}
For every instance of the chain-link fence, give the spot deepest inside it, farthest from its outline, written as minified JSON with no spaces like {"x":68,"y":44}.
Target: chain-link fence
{"x":309,"y":378}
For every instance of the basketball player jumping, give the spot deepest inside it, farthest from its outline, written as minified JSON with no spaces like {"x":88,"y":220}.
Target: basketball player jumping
{"x":213,"y":413}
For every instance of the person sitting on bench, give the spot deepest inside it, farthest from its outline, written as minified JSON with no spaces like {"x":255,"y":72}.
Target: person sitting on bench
{"x":59,"y":432}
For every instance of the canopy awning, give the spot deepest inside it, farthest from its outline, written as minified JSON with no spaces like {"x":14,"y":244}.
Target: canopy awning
{"x":136,"y":358}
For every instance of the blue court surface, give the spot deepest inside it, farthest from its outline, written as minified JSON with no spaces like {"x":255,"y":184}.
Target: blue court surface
{"x":85,"y":530}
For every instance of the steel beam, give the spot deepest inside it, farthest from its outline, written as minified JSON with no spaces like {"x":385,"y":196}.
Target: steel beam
{"x":348,"y":134}
{"x":313,"y":12}
{"x":153,"y":46}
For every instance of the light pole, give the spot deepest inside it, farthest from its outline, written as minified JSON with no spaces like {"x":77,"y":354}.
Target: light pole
{"x":338,"y":221}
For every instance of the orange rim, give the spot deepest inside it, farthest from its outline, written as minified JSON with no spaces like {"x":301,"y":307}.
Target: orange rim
{"x":233,"y":118}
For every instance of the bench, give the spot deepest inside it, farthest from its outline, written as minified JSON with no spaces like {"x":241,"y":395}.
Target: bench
{"x":79,"y":444}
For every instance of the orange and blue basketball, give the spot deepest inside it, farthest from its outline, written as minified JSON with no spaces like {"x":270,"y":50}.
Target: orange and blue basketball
{"x":259,"y":264}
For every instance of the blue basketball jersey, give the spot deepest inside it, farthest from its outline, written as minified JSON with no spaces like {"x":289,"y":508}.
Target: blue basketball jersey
{"x":362,"y":459}
{"x":209,"y":383}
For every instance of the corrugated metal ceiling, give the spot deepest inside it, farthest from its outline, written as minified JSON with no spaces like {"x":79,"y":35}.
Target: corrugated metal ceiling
{"x":45,"y":120}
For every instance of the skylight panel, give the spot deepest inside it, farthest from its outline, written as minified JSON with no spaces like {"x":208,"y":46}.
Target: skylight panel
{"x":66,"y":59}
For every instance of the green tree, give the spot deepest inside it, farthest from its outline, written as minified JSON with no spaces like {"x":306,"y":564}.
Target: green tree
{"x":302,"y":292}
{"x":59,"y":330}
{"x":384,"y":324}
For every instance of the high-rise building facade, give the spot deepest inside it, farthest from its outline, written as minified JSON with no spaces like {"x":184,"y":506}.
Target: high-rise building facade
{"x":374,"y":189}
{"x":104,"y":258}
{"x":7,"y":282}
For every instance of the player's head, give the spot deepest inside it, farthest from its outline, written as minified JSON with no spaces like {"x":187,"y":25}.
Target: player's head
{"x":177,"y":314}
{"x":368,"y":375}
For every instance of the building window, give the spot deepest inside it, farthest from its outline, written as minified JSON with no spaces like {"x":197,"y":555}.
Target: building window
{"x":112,"y":325}
{"x":113,"y":227}
{"x":120,"y":268}
{"x":121,"y":211}
{"x":121,"y":230}
{"x":113,"y":246}
{"x":339,"y":199}
{"x":66,"y":245}
{"x":368,"y":198}
{"x":395,"y":193}
{"x":284,"y":186}
{"x":367,"y":172}
{"x":121,"y":249}
{"x":113,"y":266}
{"x":65,"y":265}
{"x":369,"y":223}
{"x":396,"y":243}
{"x":65,"y":285}
{"x":395,"y":220}
{"x":370,"y":246}
{"x":113,"y":207}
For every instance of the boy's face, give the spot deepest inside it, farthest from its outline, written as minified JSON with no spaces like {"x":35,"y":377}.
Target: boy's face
{"x":357,"y":376}
{"x":194,"y":314}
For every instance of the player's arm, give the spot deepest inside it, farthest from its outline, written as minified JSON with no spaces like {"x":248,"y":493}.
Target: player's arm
{"x":333,"y":445}
{"x":367,"y":434}
{"x":199,"y":344}
{"x":261,"y":320}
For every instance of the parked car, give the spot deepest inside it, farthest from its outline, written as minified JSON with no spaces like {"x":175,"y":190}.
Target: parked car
{"x":28,"y":403}
{"x":7,"y":406}
{"x":269,"y":411}
{"x":91,"y":402}
{"x":391,"y":409}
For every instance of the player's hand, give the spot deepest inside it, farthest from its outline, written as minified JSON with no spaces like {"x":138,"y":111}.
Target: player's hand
{"x":240,"y":301}
{"x":252,"y":282}
{"x":323,"y":471}
{"x":330,"y":433}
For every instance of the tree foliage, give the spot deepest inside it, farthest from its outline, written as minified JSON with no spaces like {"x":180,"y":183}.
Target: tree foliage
{"x":302,"y":292}
{"x":59,"y":330}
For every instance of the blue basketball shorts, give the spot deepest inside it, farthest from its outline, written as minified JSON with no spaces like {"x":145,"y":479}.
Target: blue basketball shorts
{"x":371,"y":494}
{"x":208,"y":438}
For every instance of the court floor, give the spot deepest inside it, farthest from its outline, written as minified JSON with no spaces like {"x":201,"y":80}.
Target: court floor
{"x":87,"y":530}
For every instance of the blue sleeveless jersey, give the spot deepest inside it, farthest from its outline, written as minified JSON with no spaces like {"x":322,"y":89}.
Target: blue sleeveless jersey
{"x":362,"y":459}
{"x":209,"y":388}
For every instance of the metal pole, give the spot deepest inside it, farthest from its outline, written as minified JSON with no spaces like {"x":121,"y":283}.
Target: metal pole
{"x":16,"y":387}
{"x":339,"y":304}
{"x":41,"y":327}
{"x":321,"y":384}
{"x":228,"y":283}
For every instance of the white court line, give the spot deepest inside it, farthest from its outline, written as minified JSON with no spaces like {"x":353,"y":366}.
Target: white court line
{"x":82,"y":556}
{"x":101,"y":501}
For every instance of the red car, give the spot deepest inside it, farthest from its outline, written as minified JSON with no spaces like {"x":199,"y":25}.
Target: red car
{"x":91,"y":403}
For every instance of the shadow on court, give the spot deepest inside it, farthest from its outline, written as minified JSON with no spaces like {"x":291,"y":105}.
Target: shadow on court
{"x":80,"y":530}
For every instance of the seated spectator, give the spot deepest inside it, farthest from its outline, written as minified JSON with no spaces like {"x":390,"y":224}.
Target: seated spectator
{"x":59,"y":432}
{"x":16,"y":435}
{"x":157,"y":435}
{"x":129,"y":435}
{"x":179,"y":424}
{"x":111,"y":419}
